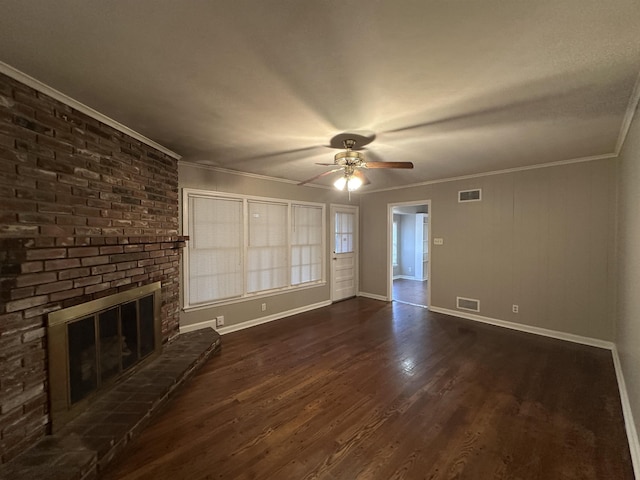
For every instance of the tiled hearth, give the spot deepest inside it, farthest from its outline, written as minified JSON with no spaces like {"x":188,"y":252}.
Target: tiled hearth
{"x":87,"y":444}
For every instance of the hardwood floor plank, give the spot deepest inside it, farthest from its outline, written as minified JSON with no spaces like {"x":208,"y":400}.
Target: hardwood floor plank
{"x":411,"y":291}
{"x":369,"y":390}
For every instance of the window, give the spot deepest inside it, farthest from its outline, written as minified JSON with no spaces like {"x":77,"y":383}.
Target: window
{"x":344,"y":232}
{"x":243,"y":246}
{"x":394,"y":243}
{"x":306,"y":244}
{"x":215,"y":249}
{"x":267,"y":252}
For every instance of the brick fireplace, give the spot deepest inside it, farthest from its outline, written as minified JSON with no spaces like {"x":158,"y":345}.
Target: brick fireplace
{"x":86,"y":211}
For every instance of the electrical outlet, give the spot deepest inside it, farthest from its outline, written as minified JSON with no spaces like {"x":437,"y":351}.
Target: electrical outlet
{"x":220,"y":321}
{"x":514,"y":308}
{"x":438,"y":241}
{"x":264,"y":307}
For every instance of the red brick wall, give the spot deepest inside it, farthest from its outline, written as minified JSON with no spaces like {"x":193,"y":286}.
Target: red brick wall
{"x":85,"y":211}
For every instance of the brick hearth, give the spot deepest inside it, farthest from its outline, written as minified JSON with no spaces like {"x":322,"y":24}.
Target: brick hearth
{"x":85,"y":446}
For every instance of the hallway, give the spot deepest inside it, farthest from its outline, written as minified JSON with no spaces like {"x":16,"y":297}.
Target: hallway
{"x":414,"y":292}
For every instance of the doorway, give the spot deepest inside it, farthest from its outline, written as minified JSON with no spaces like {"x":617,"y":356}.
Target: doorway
{"x":344,"y":252}
{"x":409,"y":255}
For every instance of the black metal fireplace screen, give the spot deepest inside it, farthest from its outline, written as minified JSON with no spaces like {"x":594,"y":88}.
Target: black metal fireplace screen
{"x":93,"y":345}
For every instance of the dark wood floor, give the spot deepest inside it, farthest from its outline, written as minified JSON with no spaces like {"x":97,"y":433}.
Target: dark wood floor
{"x":411,"y":291}
{"x":372,"y":390}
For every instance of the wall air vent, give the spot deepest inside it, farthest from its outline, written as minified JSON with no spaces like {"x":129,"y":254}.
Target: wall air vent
{"x":470,"y":195}
{"x":470,"y":304}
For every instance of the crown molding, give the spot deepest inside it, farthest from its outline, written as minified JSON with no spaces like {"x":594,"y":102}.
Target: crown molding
{"x":628,"y":116}
{"x":402,"y":187}
{"x":22,"y":77}
{"x":498,"y":172}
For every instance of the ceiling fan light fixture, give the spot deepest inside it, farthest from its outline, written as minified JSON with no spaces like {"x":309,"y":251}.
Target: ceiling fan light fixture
{"x":351,"y":182}
{"x":349,"y":157}
{"x":350,"y":162}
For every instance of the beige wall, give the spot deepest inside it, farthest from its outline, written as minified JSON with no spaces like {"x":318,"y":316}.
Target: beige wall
{"x":628,"y":276}
{"x":235,"y":313}
{"x":541,"y":238}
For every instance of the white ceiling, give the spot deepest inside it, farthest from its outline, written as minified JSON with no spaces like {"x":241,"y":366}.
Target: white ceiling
{"x":262,"y":86}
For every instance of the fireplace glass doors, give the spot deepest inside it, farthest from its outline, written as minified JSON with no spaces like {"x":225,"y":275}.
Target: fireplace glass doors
{"x":94,"y":344}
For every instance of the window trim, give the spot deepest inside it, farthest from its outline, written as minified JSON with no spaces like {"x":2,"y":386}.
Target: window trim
{"x":189,"y":192}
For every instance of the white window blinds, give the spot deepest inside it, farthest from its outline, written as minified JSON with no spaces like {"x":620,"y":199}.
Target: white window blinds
{"x":242,"y":246}
{"x":267,"y":264}
{"x":215,"y":249}
{"x":306,"y":244}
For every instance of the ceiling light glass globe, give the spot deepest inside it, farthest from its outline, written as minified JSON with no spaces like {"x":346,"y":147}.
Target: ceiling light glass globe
{"x":340,"y":183}
{"x":353,"y":183}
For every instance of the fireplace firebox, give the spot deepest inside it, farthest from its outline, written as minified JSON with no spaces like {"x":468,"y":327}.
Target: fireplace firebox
{"x":93,"y":345}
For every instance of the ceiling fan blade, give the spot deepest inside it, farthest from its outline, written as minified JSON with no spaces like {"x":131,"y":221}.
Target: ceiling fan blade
{"x":286,"y":152}
{"x":326,"y":164}
{"x":389,"y":165}
{"x":362,"y":176}
{"x":318,"y":176}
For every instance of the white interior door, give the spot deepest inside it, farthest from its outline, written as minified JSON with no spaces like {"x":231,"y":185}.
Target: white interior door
{"x":344,"y":252}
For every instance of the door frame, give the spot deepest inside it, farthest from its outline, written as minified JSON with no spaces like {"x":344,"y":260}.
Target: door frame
{"x":390,"y":207}
{"x":356,"y":245}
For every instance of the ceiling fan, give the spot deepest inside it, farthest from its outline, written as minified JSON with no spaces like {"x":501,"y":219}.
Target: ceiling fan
{"x":350,"y":162}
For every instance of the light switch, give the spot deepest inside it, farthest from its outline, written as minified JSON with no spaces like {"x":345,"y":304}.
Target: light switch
{"x":438,"y":241}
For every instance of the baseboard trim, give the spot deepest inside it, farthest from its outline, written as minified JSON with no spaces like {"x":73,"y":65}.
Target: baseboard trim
{"x":629,"y":424}
{"x":373,"y":296}
{"x":569,"y":337}
{"x":251,"y":323}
